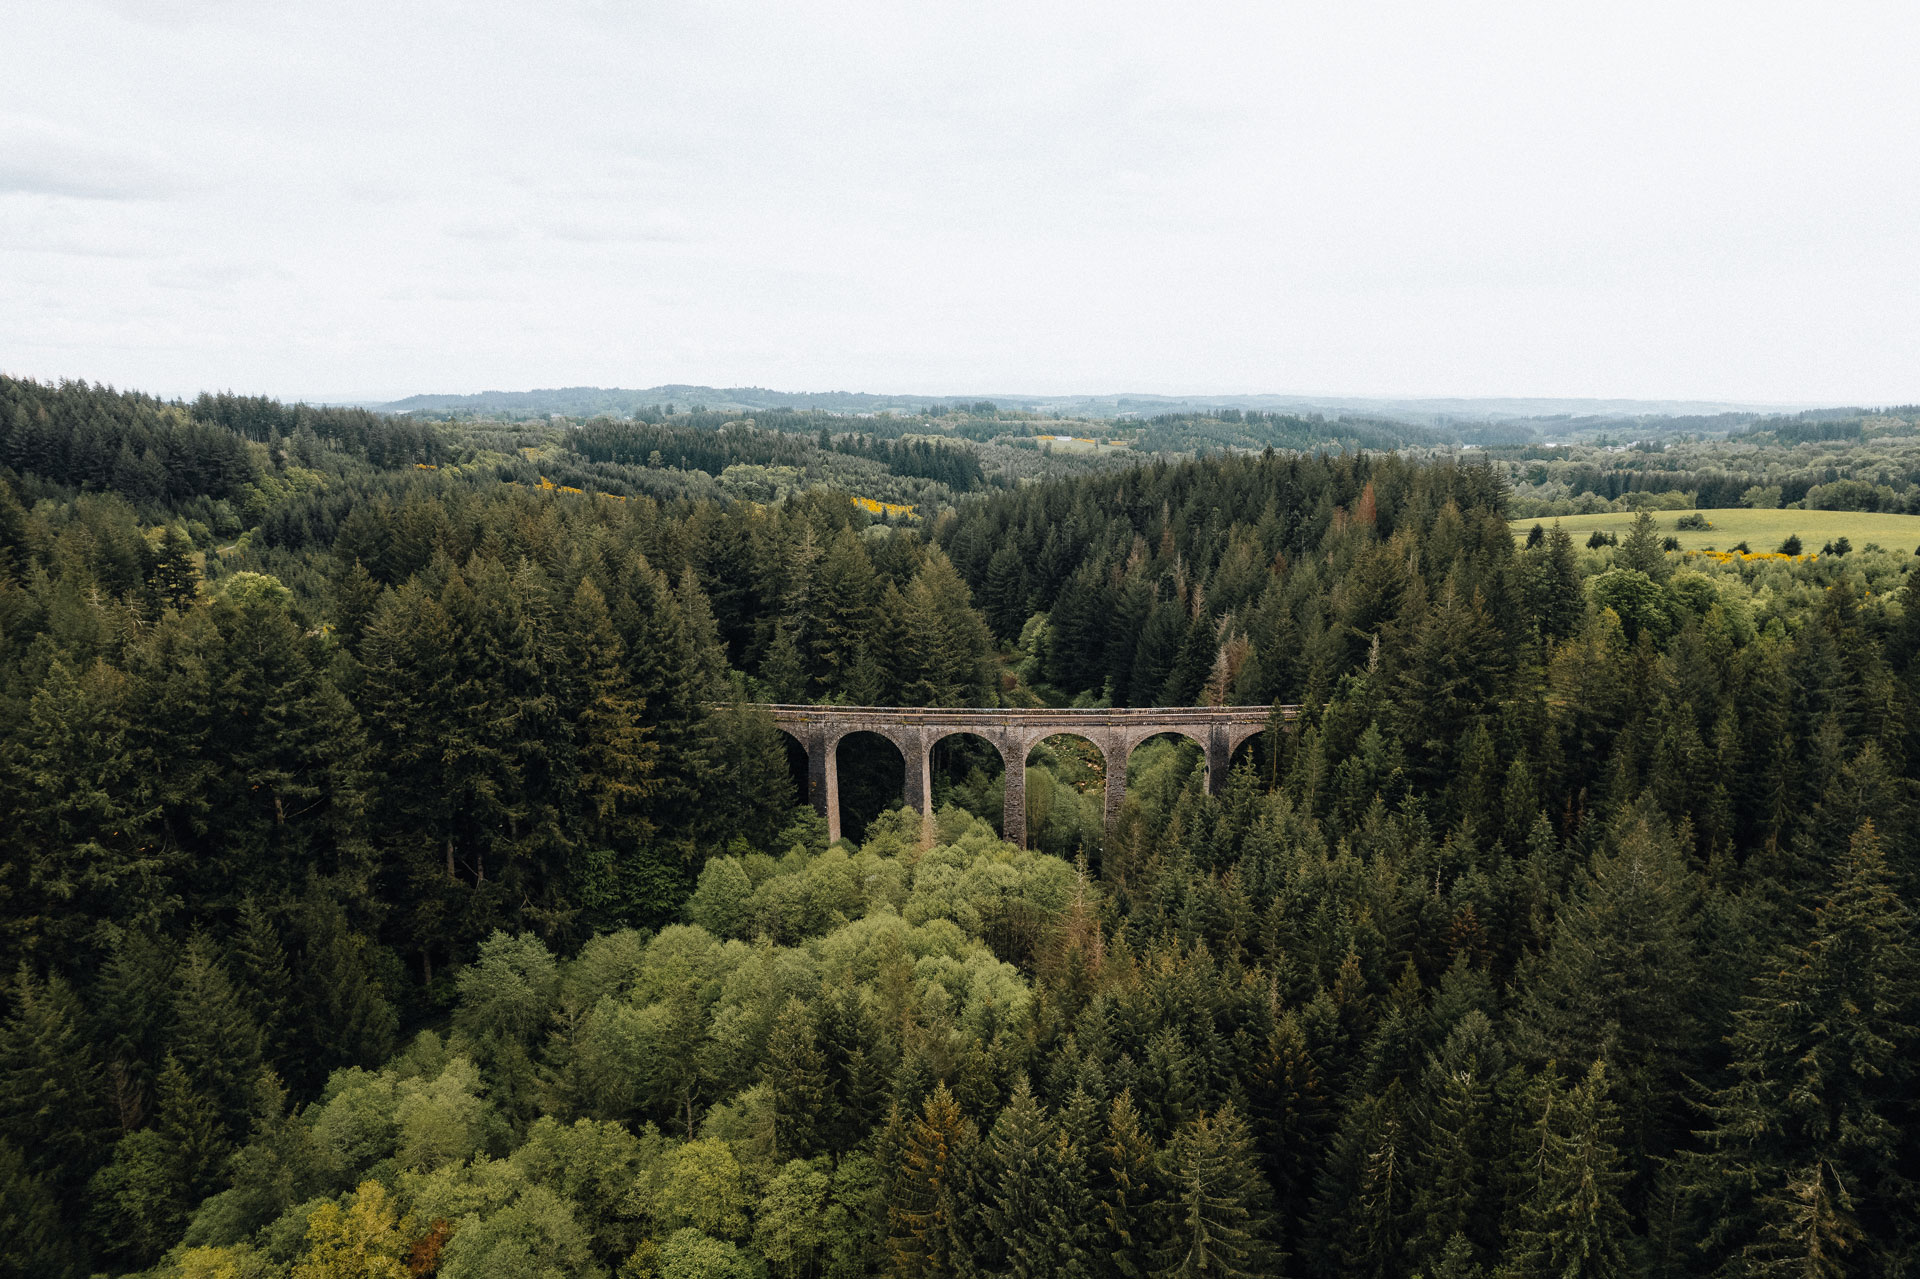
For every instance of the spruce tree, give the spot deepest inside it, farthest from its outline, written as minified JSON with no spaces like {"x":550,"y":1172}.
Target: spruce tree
{"x":1128,"y":1187}
{"x":1036,"y":1216}
{"x":928,"y":1199}
{"x":262,"y":977}
{"x":1217,"y":1219}
{"x":34,"y":1242}
{"x":1808,"y":1159}
{"x":51,"y":1089}
{"x":1621,"y":976}
{"x":1458,"y":1104}
{"x":1571,"y":1222}
{"x":1640,"y":550}
{"x":1556,"y":596}
{"x":215,"y":1040}
{"x":615,"y":757}
{"x":173,"y":579}
{"x":796,"y":1074}
{"x":839,"y":611}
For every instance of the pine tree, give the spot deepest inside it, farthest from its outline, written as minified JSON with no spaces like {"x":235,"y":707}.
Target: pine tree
{"x":1621,"y":976}
{"x":1361,"y":1205}
{"x":796,"y":1074}
{"x":131,"y":1011}
{"x":859,"y":1061}
{"x":262,"y":977}
{"x":1128,"y":1187}
{"x":1039,"y":1201}
{"x":926,"y":1205}
{"x":81,"y":829}
{"x":615,"y":757}
{"x":34,"y":1242}
{"x":1216,"y":1210}
{"x":142,"y":1198}
{"x":839,"y":610}
{"x":1640,"y":550}
{"x":194,"y":1130}
{"x":348,"y":1018}
{"x":1571,"y":1223}
{"x":173,"y":579}
{"x":215,"y":1040}
{"x":1450,"y":1172}
{"x":51,"y":1089}
{"x":1557,"y":599}
{"x":355,"y":598}
{"x":1004,"y":599}
{"x":277,"y":759}
{"x":1453,"y":661}
{"x":783,"y":674}
{"x":946,"y":648}
{"x":1808,"y":1156}
{"x":705,"y":673}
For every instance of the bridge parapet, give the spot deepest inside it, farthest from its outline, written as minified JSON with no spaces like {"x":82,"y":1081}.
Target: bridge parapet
{"x":1012,"y":731}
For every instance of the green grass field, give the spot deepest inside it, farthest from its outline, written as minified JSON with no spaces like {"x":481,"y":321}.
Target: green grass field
{"x":1760,"y":530}
{"x":1072,"y":444}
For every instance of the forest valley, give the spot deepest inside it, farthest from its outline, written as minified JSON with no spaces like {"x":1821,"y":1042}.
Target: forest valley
{"x":396,"y":880}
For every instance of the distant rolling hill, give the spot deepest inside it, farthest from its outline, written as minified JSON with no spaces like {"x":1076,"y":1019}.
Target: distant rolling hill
{"x":587,"y":401}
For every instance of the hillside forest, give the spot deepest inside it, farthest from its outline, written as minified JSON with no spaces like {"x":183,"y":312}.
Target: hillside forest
{"x":396,"y":878}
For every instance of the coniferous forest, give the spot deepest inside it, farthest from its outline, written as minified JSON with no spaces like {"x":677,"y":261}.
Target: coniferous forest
{"x":396,"y":878}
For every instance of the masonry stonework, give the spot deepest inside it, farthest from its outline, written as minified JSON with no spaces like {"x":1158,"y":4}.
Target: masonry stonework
{"x":914,"y":730}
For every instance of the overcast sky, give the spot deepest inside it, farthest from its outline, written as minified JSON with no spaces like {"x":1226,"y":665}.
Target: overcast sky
{"x":1675,"y":199}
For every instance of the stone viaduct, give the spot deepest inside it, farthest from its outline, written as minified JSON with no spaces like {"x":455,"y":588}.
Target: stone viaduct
{"x":914,"y":730}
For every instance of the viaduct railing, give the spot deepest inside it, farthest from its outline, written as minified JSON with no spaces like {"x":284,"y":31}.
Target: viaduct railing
{"x":914,"y":730}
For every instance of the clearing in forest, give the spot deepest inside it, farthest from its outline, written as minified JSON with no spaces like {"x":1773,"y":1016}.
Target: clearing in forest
{"x":1761,"y":530}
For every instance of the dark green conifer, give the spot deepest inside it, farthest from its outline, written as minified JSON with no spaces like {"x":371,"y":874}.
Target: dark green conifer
{"x":1807,"y":1167}
{"x":52,"y":1092}
{"x":1036,"y":1217}
{"x":34,"y":1242}
{"x":796,"y":1073}
{"x":1216,"y":1212}
{"x":1571,"y":1223}
{"x":215,"y":1039}
{"x":1127,"y":1186}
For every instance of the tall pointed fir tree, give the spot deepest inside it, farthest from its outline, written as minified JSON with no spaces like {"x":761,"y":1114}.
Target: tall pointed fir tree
{"x":932,"y":1181}
{"x":1039,"y":1203}
{"x":795,"y":1073}
{"x":1809,"y":1162}
{"x":1216,"y":1213}
{"x":1570,"y":1223}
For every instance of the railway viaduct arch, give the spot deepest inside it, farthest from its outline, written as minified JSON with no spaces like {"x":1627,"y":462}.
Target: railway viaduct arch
{"x":914,"y":730}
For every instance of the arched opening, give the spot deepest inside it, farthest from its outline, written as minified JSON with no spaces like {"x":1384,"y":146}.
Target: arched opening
{"x":796,"y":766}
{"x":1257,"y":751}
{"x":872,"y":777}
{"x":1066,"y":796}
{"x":1159,"y":768}
{"x":969,"y":774}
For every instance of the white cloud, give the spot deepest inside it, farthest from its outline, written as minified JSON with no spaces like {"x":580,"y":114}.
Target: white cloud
{"x":1714,"y":199}
{"x":41,"y":157}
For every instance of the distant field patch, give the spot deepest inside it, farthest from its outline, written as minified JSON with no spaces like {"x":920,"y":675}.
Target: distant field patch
{"x":1760,"y":530}
{"x":1079,"y":444}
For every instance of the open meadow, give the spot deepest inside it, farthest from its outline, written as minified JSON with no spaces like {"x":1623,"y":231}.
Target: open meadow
{"x":1761,"y":530}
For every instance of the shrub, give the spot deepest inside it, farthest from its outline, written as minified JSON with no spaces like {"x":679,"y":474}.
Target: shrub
{"x":1693,"y":520}
{"x":1791,"y":546}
